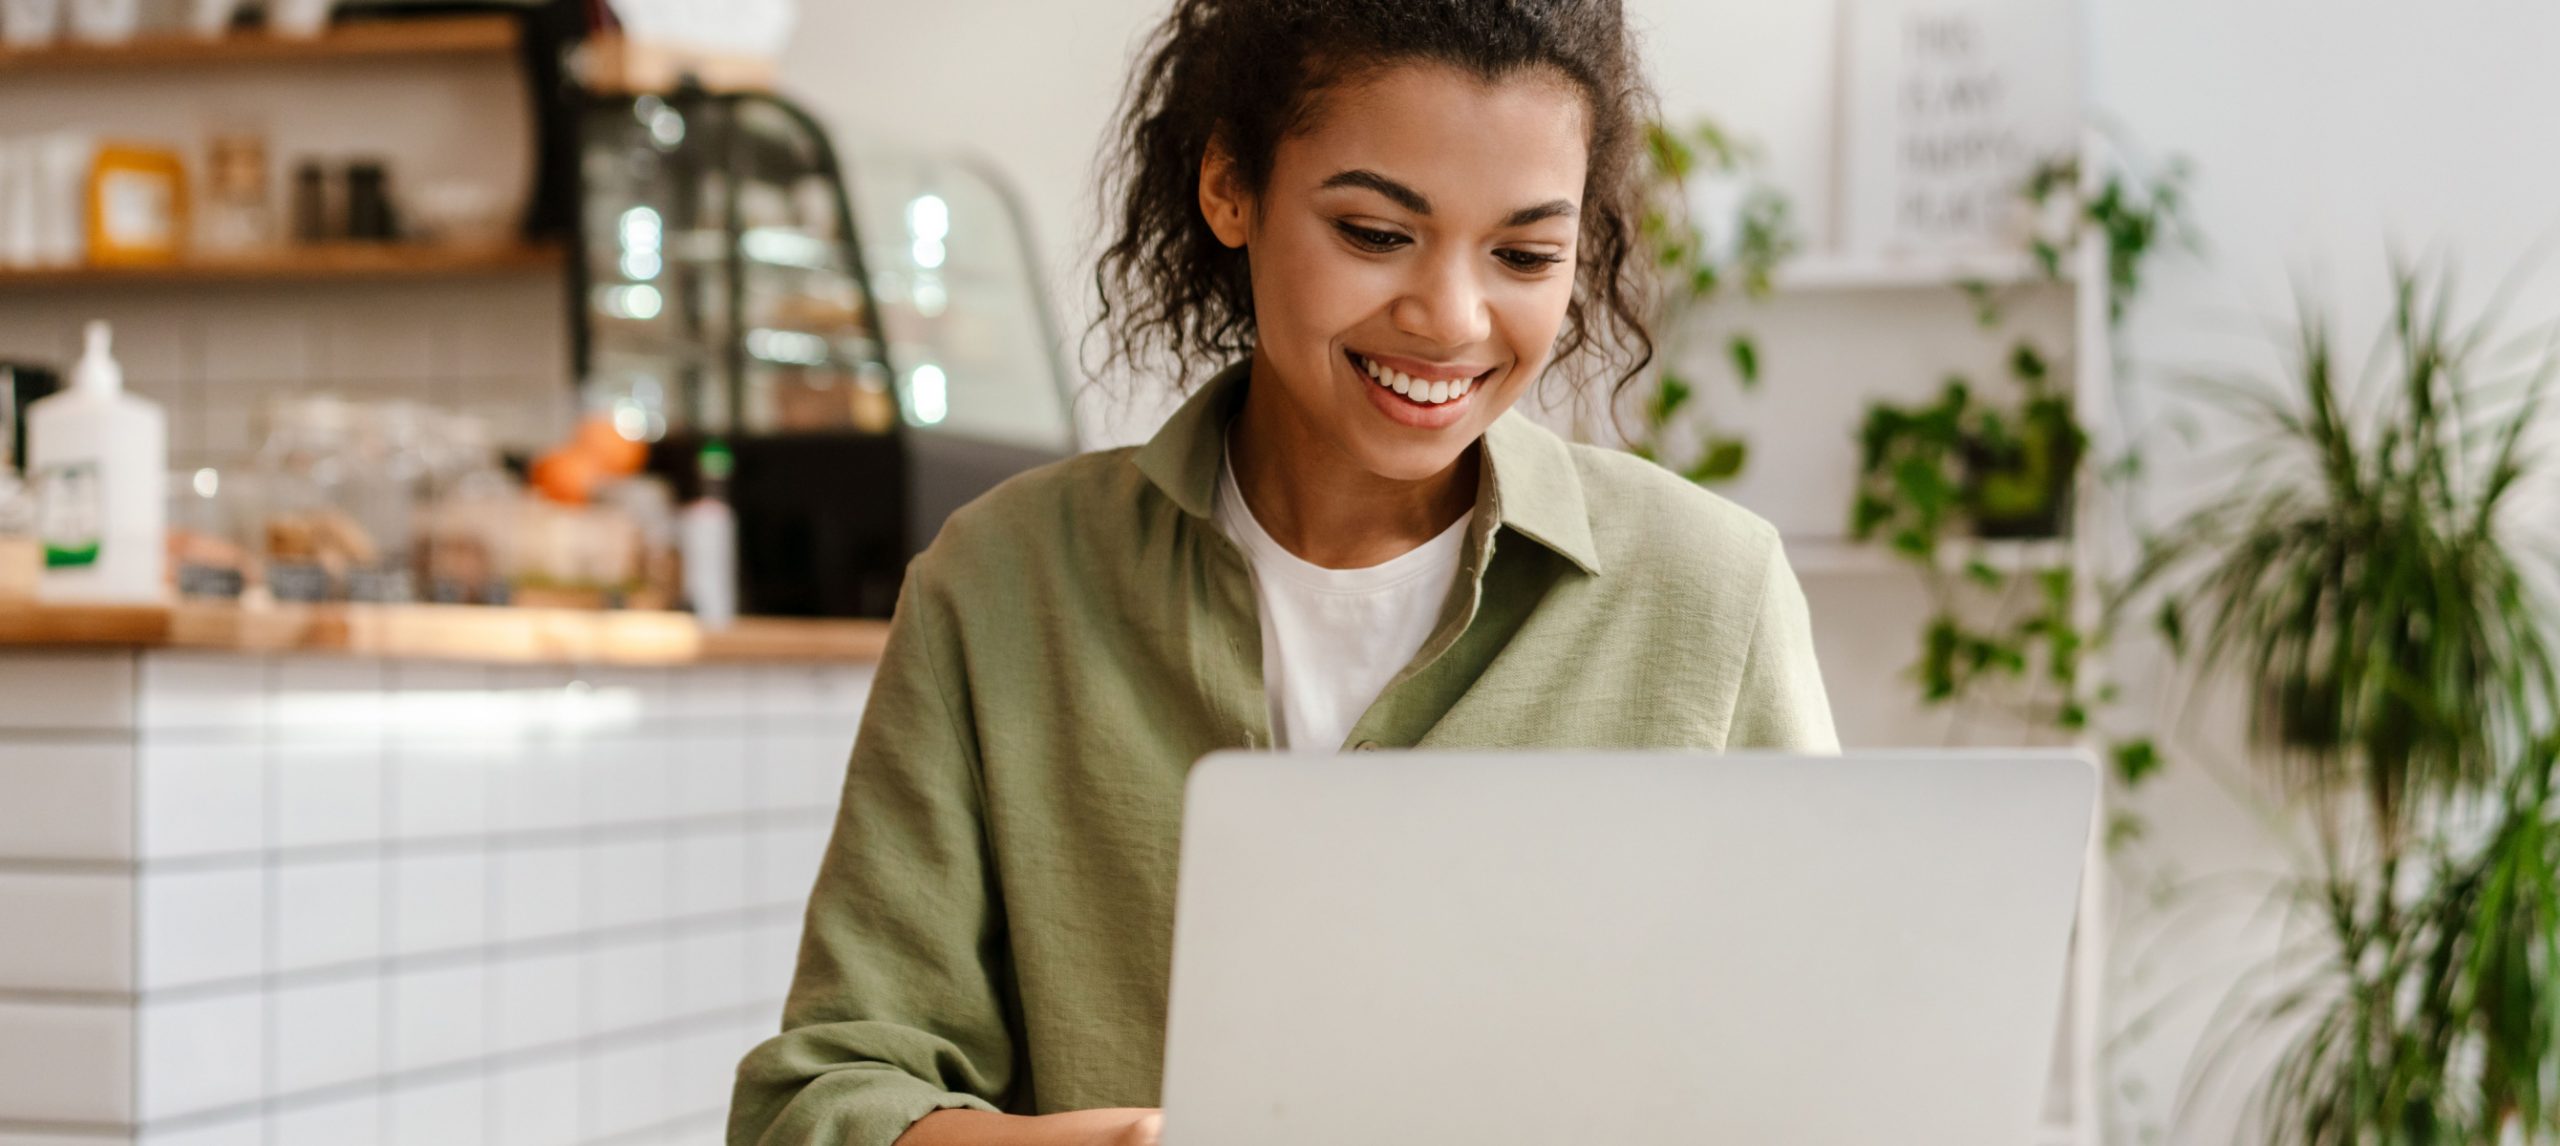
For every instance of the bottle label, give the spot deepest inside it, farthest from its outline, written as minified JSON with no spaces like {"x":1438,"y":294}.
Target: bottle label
{"x":69,"y":505}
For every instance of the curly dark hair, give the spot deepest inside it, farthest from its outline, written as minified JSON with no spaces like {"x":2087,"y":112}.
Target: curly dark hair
{"x":1247,"y":72}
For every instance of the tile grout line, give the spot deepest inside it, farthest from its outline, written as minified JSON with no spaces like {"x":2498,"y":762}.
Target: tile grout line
{"x":138,"y":920}
{"x":574,"y":1048}
{"x":387,"y":913}
{"x":271,"y":799}
{"x":530,"y":839}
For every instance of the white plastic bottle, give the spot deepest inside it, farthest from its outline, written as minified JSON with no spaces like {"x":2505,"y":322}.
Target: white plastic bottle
{"x":99,"y":460}
{"x":707,"y":535}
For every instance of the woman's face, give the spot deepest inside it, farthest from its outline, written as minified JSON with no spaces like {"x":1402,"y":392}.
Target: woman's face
{"x":1413,"y":256}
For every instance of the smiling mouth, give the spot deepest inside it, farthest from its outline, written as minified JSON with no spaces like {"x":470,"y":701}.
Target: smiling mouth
{"x":1415,"y":390}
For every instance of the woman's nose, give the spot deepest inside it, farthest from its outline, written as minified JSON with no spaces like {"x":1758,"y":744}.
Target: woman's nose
{"x":1445,"y":305}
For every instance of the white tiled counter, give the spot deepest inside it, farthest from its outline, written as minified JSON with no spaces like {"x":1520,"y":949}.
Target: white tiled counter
{"x":288,"y":899}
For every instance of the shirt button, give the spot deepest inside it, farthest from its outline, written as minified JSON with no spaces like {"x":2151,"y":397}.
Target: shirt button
{"x":1365,"y":746}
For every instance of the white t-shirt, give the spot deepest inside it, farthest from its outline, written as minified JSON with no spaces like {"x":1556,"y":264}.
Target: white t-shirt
{"x":1333,"y":638}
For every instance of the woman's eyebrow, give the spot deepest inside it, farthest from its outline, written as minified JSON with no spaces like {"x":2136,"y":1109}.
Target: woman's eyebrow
{"x":1405,"y":197}
{"x":1551,"y":209}
{"x":1412,"y":200}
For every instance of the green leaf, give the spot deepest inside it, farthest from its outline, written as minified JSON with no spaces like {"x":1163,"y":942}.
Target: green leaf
{"x":1937,"y":659}
{"x":2124,"y":828}
{"x":2172,"y":623}
{"x":1981,"y":573}
{"x":1668,"y":396}
{"x":2049,"y":257}
{"x":1725,"y":458}
{"x":1703,"y":280}
{"x":2056,"y":584}
{"x":2135,"y":761}
{"x":2027,"y":363}
{"x":1746,"y":360}
{"x":1866,"y":513}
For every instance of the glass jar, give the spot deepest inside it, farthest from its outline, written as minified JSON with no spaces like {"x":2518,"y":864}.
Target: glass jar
{"x":386,"y":493}
{"x":307,"y":538}
{"x":207,"y":534}
{"x":468,"y":525}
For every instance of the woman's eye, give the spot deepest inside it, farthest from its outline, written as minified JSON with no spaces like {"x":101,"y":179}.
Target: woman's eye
{"x":1370,"y":239}
{"x":1528,"y":261}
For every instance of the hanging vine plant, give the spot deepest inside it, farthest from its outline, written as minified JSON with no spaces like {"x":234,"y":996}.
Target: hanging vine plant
{"x":1987,"y":464}
{"x":1700,"y":260}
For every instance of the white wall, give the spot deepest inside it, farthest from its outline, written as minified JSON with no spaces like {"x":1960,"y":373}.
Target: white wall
{"x":2321,"y":130}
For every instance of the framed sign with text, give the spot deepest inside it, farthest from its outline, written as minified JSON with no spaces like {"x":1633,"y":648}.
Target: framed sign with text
{"x":1946,"y":107}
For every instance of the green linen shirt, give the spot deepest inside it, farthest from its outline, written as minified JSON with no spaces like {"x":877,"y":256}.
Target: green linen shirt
{"x":992,"y":925}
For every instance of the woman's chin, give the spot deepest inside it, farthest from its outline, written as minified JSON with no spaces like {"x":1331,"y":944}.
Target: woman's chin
{"x":1400,"y":458}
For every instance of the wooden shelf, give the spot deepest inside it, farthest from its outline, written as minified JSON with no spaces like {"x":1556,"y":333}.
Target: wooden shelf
{"x":612,"y":62}
{"x":361,"y":40}
{"x":340,"y":262}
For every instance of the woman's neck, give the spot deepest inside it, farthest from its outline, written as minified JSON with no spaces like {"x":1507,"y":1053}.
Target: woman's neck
{"x":1318,"y":502}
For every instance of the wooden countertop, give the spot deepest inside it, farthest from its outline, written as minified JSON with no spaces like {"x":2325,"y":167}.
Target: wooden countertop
{"x":441,"y":632}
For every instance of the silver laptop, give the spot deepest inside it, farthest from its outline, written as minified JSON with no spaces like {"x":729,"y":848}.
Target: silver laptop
{"x":1596,"y":949}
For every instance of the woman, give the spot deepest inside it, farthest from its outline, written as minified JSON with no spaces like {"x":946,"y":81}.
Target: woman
{"x":1391,"y":216}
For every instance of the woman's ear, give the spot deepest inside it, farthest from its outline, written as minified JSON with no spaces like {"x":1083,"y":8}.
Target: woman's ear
{"x":1223,"y":200}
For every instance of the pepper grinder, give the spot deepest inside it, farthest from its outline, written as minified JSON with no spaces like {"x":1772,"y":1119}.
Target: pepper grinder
{"x":311,"y":203}
{"x":369,"y":215}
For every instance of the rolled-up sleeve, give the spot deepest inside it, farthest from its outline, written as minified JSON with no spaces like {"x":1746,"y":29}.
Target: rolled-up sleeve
{"x":901,"y":1003}
{"x":1781,"y":704}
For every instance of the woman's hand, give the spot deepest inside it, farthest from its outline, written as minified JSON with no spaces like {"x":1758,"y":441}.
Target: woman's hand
{"x":1122,"y":1126}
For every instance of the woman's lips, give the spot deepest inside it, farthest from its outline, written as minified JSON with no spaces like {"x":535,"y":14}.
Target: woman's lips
{"x":1423,"y":404}
{"x":1419,"y":384}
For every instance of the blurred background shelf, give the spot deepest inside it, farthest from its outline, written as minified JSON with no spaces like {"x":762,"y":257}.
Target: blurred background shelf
{"x":441,"y":36}
{"x":1840,"y":557}
{"x":1823,"y":272}
{"x":347,"y":262}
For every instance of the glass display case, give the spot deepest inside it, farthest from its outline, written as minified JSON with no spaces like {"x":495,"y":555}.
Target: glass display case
{"x":870,"y":339}
{"x":960,"y":295}
{"x":721,"y":285}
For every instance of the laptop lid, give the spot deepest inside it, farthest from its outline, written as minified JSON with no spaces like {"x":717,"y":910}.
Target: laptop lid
{"x":1573,"y":948}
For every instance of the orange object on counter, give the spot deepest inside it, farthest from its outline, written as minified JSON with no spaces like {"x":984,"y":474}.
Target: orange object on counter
{"x":618,"y":456}
{"x":565,"y":475}
{"x":137,"y":206}
{"x":594,"y":455}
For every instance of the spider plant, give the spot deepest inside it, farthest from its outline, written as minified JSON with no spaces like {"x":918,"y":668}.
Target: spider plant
{"x":2360,"y":584}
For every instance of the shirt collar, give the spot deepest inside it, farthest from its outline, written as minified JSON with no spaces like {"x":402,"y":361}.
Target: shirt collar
{"x":1531,"y":483}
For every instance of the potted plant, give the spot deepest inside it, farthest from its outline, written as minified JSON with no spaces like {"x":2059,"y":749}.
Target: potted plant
{"x":1963,"y":463}
{"x":2361,"y":589}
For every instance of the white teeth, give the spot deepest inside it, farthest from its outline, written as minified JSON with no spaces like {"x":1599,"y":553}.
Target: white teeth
{"x":1428,"y":393}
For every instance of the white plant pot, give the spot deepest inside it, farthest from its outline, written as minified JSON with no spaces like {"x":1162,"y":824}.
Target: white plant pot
{"x":299,"y":19}
{"x":105,"y":21}
{"x":30,"y":23}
